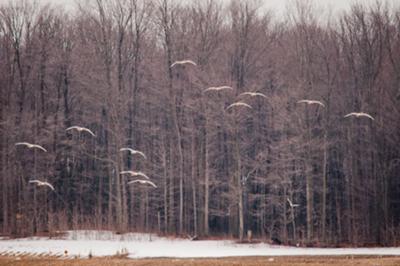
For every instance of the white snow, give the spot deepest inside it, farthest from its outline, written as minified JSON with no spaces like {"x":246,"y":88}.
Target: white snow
{"x":104,"y":243}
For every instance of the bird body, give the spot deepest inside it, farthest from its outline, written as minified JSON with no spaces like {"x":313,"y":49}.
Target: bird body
{"x":133,"y":152}
{"x":142,"y":182}
{"x":220,"y":88}
{"x":183,"y":62}
{"x":253,"y":94}
{"x":41,"y":183}
{"x":291,"y":204}
{"x":309,"y":102}
{"x":80,"y":129}
{"x":360,"y":114}
{"x":31,"y":146}
{"x":133,"y":173}
{"x":237,"y":104}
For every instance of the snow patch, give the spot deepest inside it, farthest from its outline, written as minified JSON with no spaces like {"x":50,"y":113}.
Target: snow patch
{"x":105,"y":243}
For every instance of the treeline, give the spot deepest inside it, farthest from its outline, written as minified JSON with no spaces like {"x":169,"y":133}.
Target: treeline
{"x":219,"y":172}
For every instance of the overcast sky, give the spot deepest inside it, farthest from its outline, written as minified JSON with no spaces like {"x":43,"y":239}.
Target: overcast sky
{"x":276,"y":5}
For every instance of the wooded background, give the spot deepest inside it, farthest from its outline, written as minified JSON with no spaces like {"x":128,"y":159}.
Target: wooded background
{"x":106,"y":66}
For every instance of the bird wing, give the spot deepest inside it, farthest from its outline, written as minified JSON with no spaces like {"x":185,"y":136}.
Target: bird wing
{"x":49,"y":185}
{"x":39,"y":147}
{"x":74,"y":127}
{"x":253,"y":94}
{"x":142,"y":174}
{"x":303,"y":101}
{"x":210,"y":89}
{"x":89,"y":131}
{"x":22,"y":143}
{"x":127,"y":172}
{"x":317,"y":102}
{"x":151,"y":183}
{"x":367,"y":115}
{"x":136,"y":181}
{"x":140,"y":153}
{"x":245,"y":93}
{"x":142,"y":182}
{"x":189,"y":62}
{"x":35,"y":181}
{"x":260,"y":94}
{"x":290,"y":202}
{"x":183,"y":62}
{"x":126,"y":149}
{"x":239,"y":104}
{"x":311,"y":102}
{"x":348,"y":115}
{"x":225,"y":88}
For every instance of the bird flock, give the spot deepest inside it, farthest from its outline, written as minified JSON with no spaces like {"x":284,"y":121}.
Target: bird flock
{"x":146,"y":180}
{"x":79,"y":129}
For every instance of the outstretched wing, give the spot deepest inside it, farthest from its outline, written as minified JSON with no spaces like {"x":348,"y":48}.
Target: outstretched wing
{"x":183,"y":62}
{"x":39,"y":147}
{"x":142,"y":174}
{"x":127,"y":149}
{"x":303,"y":101}
{"x":211,"y":89}
{"x":35,"y":181}
{"x":367,"y":115}
{"x":142,"y":182}
{"x":126,"y":172}
{"x":22,"y":143}
{"x":249,"y":93}
{"x":151,"y":183}
{"x":88,"y":131}
{"x":140,"y":153}
{"x":239,"y":104}
{"x":49,"y":185}
{"x":74,"y":127}
{"x":312,"y":102}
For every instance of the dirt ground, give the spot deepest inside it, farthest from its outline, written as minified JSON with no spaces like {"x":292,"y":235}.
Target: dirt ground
{"x":251,"y":261}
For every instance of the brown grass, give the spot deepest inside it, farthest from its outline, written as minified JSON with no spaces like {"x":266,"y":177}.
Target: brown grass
{"x":251,"y":261}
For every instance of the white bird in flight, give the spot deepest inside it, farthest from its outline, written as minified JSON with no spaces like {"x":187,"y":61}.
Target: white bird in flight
{"x":142,"y":182}
{"x":220,"y":88}
{"x":41,"y":183}
{"x":133,"y":152}
{"x":291,"y":203}
{"x":80,"y":129}
{"x":239,"y":104}
{"x":309,"y":102}
{"x":183,"y":62}
{"x":359,"y":115}
{"x":31,"y":146}
{"x":133,"y":173}
{"x":253,"y":94}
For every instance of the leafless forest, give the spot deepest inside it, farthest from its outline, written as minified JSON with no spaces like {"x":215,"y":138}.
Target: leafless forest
{"x":285,"y":170}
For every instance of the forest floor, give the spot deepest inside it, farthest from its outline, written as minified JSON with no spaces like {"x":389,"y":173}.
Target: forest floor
{"x":251,"y":261}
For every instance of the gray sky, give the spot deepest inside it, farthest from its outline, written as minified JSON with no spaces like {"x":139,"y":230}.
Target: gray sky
{"x":277,"y":5}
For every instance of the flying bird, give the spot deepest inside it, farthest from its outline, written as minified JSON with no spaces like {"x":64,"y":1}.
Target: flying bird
{"x":220,"y":88}
{"x":239,"y":104}
{"x":133,"y":152}
{"x":133,"y":173}
{"x":142,"y":182}
{"x":309,"y":102}
{"x":359,"y":115}
{"x":183,"y":62}
{"x":291,"y":204}
{"x":80,"y":129}
{"x":41,"y":183}
{"x":253,"y":94}
{"x":31,"y":146}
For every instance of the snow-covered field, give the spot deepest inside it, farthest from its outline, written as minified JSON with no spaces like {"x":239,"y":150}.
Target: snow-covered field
{"x":104,"y":243}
